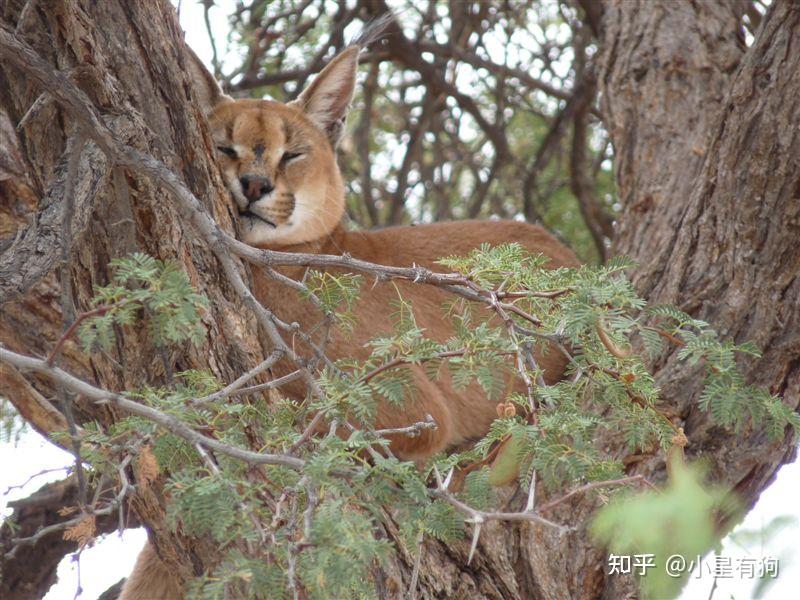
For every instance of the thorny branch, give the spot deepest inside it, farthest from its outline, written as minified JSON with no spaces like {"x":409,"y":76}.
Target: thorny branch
{"x":411,"y":431}
{"x":85,"y":511}
{"x":183,"y":431}
{"x":168,"y":422}
{"x":178,"y":428}
{"x":593,"y":486}
{"x":236,"y":386}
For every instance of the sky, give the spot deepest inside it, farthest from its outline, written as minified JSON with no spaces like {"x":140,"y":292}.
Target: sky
{"x":112,"y":557}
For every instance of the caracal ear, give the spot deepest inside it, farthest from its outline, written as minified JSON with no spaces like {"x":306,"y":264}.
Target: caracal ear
{"x":326,"y":101}
{"x":206,"y":88}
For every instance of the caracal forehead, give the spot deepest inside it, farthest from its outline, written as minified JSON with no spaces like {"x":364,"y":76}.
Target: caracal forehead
{"x":253,"y":122}
{"x":256,"y":127}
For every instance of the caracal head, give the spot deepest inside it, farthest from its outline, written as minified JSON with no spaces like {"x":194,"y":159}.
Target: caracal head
{"x":278,"y":160}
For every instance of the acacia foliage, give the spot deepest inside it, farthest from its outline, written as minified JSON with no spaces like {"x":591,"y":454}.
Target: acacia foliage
{"x":317,"y":527}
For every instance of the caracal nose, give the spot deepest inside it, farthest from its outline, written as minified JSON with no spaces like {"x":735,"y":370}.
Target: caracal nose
{"x":255,"y":186}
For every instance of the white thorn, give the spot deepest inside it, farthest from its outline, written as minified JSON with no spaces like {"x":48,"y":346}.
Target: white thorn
{"x":448,"y":478}
{"x":531,"y":493}
{"x":438,"y":476}
{"x":475,"y":535}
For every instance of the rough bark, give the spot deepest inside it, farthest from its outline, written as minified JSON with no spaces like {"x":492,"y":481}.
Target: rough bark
{"x":127,"y":57}
{"x":707,"y":169}
{"x":707,"y":157}
{"x":666,"y":71}
{"x":718,"y":235}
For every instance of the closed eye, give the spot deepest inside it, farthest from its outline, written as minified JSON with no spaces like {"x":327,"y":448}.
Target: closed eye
{"x":287,"y":156}
{"x":227,"y":151}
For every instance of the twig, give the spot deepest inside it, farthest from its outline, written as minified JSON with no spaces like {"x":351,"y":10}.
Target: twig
{"x":229,"y":389}
{"x":412,"y":587}
{"x":533,"y":294}
{"x":70,"y":331}
{"x":307,"y":433}
{"x":32,"y":477}
{"x":591,"y":486}
{"x":77,"y":560}
{"x":33,"y":539}
{"x":411,"y":430}
{"x":85,"y":512}
{"x":269,"y":385}
{"x":370,"y":450}
{"x":509,"y":323}
{"x":396,"y":362}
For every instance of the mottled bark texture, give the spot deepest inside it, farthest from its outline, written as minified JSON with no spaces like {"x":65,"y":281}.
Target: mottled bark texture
{"x":707,"y":147}
{"x":708,"y":169}
{"x":128,"y":58}
{"x":712,"y":202}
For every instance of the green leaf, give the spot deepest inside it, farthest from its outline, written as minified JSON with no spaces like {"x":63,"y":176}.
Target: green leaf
{"x":677,"y":520}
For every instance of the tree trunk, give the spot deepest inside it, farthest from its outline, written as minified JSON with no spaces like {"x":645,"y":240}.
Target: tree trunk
{"x":707,"y":160}
{"x":711,"y":208}
{"x":128,"y":58}
{"x":707,"y":153}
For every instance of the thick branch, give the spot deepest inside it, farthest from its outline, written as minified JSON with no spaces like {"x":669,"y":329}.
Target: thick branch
{"x":31,"y":571}
{"x":166,"y":421}
{"x":36,"y":248}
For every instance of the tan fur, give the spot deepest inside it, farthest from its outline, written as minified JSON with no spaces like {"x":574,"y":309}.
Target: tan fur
{"x":150,"y":579}
{"x":460,"y":414}
{"x":310,"y":183}
{"x":304,"y":205}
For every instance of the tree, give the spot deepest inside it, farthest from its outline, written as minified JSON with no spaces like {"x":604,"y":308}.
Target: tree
{"x":705,"y":159}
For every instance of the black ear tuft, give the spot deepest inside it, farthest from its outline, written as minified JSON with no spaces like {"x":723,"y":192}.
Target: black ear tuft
{"x":374,"y":30}
{"x":327,"y":100}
